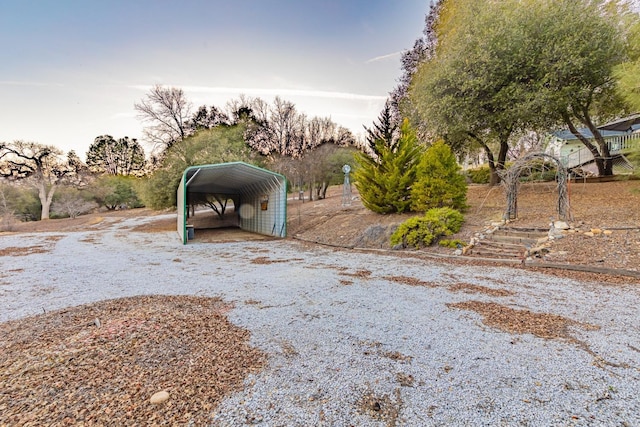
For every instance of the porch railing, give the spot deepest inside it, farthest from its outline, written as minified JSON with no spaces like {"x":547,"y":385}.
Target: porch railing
{"x":617,"y":145}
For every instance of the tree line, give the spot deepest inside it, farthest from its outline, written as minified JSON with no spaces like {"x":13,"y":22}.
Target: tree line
{"x":38,"y":179}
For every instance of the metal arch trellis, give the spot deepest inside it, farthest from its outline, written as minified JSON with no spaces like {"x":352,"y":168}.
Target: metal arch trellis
{"x":511,"y":183}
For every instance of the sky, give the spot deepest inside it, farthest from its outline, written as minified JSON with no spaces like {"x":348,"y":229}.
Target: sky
{"x":71,"y":70}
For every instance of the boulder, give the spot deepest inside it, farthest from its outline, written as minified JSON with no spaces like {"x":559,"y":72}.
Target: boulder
{"x":561,"y":225}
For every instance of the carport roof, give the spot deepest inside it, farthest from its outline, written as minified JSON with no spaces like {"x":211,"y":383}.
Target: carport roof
{"x":229,"y":178}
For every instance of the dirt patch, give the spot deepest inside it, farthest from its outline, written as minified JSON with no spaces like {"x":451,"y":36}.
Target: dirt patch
{"x":541,"y":325}
{"x":99,"y":364}
{"x":411,"y":281}
{"x":468,"y":288}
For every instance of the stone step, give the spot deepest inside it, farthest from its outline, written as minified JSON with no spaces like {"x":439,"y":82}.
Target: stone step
{"x":526,"y":233}
{"x":488,"y":252}
{"x":490,"y":243}
{"x":525,"y":241}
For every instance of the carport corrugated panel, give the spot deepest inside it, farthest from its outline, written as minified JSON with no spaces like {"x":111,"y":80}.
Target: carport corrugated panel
{"x":226,"y":178}
{"x":273,"y":220}
{"x":251,"y":182}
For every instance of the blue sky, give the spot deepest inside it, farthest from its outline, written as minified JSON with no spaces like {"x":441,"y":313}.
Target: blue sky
{"x":72,"y":70}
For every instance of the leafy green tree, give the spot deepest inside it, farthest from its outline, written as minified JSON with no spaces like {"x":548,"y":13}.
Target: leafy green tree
{"x":115,"y":191}
{"x":502,"y":68}
{"x":628,"y":73}
{"x":122,"y":157}
{"x":473,"y":90}
{"x":439,"y":182}
{"x":385,"y":182}
{"x":576,"y":64}
{"x":220,"y":144}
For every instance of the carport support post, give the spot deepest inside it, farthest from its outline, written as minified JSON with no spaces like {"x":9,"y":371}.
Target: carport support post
{"x":187,"y":204}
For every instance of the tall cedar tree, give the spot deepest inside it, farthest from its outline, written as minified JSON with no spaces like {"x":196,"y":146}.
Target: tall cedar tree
{"x":385,"y":183}
{"x":439,"y":183}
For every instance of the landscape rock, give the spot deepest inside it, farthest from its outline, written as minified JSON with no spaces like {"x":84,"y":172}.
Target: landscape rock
{"x":607,"y":232}
{"x":159,"y":397}
{"x":596,"y":231}
{"x":589,"y":234}
{"x":561,"y":225}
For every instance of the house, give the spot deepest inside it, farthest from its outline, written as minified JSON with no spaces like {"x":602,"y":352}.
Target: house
{"x":622,"y":136}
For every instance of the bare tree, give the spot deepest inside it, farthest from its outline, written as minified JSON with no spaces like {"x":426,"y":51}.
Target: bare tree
{"x":42,"y":165}
{"x":166,"y":111}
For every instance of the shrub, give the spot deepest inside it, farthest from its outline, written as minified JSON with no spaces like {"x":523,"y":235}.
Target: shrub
{"x":439,"y":183}
{"x":116,"y":191}
{"x":479,"y":175}
{"x":424,"y":230}
{"x":385,"y":183}
{"x":451,"y":243}
{"x":70,"y":202}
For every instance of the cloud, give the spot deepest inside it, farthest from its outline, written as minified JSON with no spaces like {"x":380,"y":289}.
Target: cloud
{"x":274,"y":92}
{"x":384,"y":57}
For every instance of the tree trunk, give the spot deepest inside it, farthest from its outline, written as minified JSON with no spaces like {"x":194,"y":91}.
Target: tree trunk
{"x":593,"y":149}
{"x":494,"y":178}
{"x":606,"y":167}
{"x":45,"y":199}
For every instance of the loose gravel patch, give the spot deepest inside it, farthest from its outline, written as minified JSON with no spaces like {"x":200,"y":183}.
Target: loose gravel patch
{"x":359,"y":338}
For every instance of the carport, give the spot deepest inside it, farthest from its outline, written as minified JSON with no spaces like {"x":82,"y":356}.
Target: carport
{"x":259,"y":195}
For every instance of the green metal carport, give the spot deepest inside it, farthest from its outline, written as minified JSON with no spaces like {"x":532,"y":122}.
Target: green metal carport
{"x":259,"y":195}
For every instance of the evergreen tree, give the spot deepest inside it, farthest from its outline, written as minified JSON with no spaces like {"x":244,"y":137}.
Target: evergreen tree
{"x":385,"y":182}
{"x":439,"y":183}
{"x":384,"y":132}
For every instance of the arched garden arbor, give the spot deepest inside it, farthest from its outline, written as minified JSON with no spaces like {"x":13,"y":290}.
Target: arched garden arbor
{"x":511,"y":182}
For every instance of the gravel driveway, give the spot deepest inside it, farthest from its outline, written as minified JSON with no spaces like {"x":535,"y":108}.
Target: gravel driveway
{"x":363,"y":339}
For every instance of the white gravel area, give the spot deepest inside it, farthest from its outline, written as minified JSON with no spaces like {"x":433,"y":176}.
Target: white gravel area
{"x":348,"y":347}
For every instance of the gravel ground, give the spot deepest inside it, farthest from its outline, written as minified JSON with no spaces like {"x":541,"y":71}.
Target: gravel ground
{"x":364,"y":339}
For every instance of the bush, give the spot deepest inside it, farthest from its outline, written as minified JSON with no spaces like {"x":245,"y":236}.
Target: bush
{"x":385,"y":183}
{"x":480,"y":175}
{"x":70,"y":202}
{"x":439,"y":183}
{"x":452,"y":243}
{"x":425,"y":230}
{"x":116,"y":192}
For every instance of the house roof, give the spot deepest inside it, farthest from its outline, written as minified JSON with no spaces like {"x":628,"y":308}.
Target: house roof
{"x":231,"y":178}
{"x":616,"y":127}
{"x":566,"y":135}
{"x":624,"y":124}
